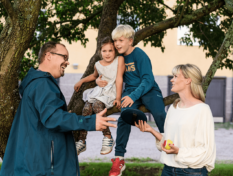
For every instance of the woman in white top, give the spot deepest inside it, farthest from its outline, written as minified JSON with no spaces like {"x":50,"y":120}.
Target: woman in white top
{"x":189,"y":124}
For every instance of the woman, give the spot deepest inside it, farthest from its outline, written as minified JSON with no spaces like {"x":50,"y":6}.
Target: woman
{"x":189,"y":124}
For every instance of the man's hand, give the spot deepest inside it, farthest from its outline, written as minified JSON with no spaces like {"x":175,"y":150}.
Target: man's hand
{"x":102,"y":122}
{"x":144,"y":127}
{"x":127,"y":101}
{"x":173,"y":150}
{"x":77,"y":86}
{"x":100,"y":82}
{"x":117,"y":103}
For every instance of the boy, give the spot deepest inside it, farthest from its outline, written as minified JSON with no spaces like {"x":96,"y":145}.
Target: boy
{"x":140,"y":88}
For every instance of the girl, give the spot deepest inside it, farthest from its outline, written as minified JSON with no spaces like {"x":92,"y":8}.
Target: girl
{"x":111,"y":68}
{"x":189,"y":124}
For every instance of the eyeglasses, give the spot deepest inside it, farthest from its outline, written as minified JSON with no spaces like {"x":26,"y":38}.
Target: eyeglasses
{"x":65,"y":57}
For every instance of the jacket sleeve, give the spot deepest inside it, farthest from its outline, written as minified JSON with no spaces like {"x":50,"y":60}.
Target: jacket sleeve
{"x":46,"y":98}
{"x":204,"y":140}
{"x":144,"y":67}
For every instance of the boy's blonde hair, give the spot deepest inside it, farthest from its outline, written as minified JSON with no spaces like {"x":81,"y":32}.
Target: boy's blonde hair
{"x":124,"y":30}
{"x":193,"y":72}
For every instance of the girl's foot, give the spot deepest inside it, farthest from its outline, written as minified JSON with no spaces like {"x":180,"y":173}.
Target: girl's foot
{"x":107,"y":145}
{"x":80,"y":146}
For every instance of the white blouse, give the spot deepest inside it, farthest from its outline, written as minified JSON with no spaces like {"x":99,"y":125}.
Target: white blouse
{"x":192,"y":130}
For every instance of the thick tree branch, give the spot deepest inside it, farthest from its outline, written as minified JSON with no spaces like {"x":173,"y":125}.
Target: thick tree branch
{"x":9,"y":8}
{"x":170,"y":23}
{"x":228,"y":41}
{"x":182,"y":13}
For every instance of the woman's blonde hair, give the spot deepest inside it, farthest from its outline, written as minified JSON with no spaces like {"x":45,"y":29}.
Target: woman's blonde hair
{"x":193,"y":72}
{"x":123,"y":30}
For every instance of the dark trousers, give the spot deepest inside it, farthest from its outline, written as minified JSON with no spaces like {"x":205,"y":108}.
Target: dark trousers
{"x":153,"y":101}
{"x":173,"y":171}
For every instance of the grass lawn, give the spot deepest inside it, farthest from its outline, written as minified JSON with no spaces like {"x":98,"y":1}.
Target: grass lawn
{"x":144,"y":169}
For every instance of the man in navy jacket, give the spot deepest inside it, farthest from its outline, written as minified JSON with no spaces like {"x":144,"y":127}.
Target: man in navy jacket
{"x":41,"y":141}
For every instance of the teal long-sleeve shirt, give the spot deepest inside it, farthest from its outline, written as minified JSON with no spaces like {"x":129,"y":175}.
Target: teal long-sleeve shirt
{"x":138,"y":76}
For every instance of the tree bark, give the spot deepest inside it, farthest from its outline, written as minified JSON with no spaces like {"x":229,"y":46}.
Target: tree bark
{"x":14,"y":41}
{"x":228,"y":41}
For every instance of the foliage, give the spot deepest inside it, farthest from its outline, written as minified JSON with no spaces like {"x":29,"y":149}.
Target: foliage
{"x":210,"y":31}
{"x":68,"y":20}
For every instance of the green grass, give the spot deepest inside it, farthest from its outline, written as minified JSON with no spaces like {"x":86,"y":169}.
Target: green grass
{"x":227,"y":125}
{"x":133,"y":169}
{"x":145,"y":169}
{"x":222,"y":170}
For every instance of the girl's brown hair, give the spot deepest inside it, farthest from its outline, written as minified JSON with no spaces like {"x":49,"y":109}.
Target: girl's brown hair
{"x":107,"y":40}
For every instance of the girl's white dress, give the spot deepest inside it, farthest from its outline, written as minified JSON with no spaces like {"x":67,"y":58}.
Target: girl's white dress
{"x":105,"y":94}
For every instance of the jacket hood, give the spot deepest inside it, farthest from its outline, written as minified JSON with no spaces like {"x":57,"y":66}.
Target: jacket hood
{"x":33,"y":75}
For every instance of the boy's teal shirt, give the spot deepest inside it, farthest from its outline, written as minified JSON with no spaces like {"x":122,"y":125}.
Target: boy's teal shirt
{"x":41,"y":142}
{"x":138,"y":76}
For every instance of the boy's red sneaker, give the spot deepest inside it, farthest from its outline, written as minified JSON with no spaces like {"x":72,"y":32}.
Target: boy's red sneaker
{"x":118,"y":166}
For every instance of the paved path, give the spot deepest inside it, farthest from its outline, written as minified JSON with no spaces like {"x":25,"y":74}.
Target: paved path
{"x":142,"y":145}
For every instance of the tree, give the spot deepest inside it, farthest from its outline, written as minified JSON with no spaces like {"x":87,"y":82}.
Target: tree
{"x":71,"y":20}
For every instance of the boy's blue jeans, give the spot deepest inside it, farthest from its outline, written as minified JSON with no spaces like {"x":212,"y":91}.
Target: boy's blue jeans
{"x":153,"y":101}
{"x":173,"y":171}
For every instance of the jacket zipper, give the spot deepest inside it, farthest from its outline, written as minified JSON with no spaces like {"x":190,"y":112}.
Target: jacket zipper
{"x":52,"y":157}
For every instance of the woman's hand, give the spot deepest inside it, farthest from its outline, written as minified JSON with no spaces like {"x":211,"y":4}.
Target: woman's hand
{"x":173,"y":150}
{"x":77,"y":86}
{"x":144,"y":127}
{"x":117,"y":103}
{"x":100,"y":82}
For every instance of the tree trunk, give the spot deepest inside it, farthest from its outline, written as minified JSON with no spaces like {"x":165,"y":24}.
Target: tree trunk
{"x":14,"y":41}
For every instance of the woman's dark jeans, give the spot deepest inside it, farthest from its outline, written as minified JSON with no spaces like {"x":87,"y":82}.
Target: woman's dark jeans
{"x":173,"y":171}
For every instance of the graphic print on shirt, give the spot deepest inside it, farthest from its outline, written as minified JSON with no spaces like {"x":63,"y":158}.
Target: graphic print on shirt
{"x":130,"y":67}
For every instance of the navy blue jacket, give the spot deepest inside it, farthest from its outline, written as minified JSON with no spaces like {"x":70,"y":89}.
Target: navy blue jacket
{"x":138,"y":76}
{"x":41,"y":142}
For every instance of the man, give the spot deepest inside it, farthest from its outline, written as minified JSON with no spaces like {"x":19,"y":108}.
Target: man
{"x":41,"y":141}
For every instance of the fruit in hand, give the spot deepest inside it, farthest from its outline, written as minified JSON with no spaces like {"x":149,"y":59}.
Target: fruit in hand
{"x":166,"y":144}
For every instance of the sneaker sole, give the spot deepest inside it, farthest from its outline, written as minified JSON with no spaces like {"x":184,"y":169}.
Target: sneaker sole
{"x":106,"y":153}
{"x":109,"y":151}
{"x":122,"y":169}
{"x":82,"y":151}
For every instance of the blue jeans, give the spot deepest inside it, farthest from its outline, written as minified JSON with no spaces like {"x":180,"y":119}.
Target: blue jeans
{"x":153,"y":101}
{"x":173,"y":171}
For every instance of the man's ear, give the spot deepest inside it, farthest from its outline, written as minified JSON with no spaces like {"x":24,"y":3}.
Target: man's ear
{"x":48,"y":56}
